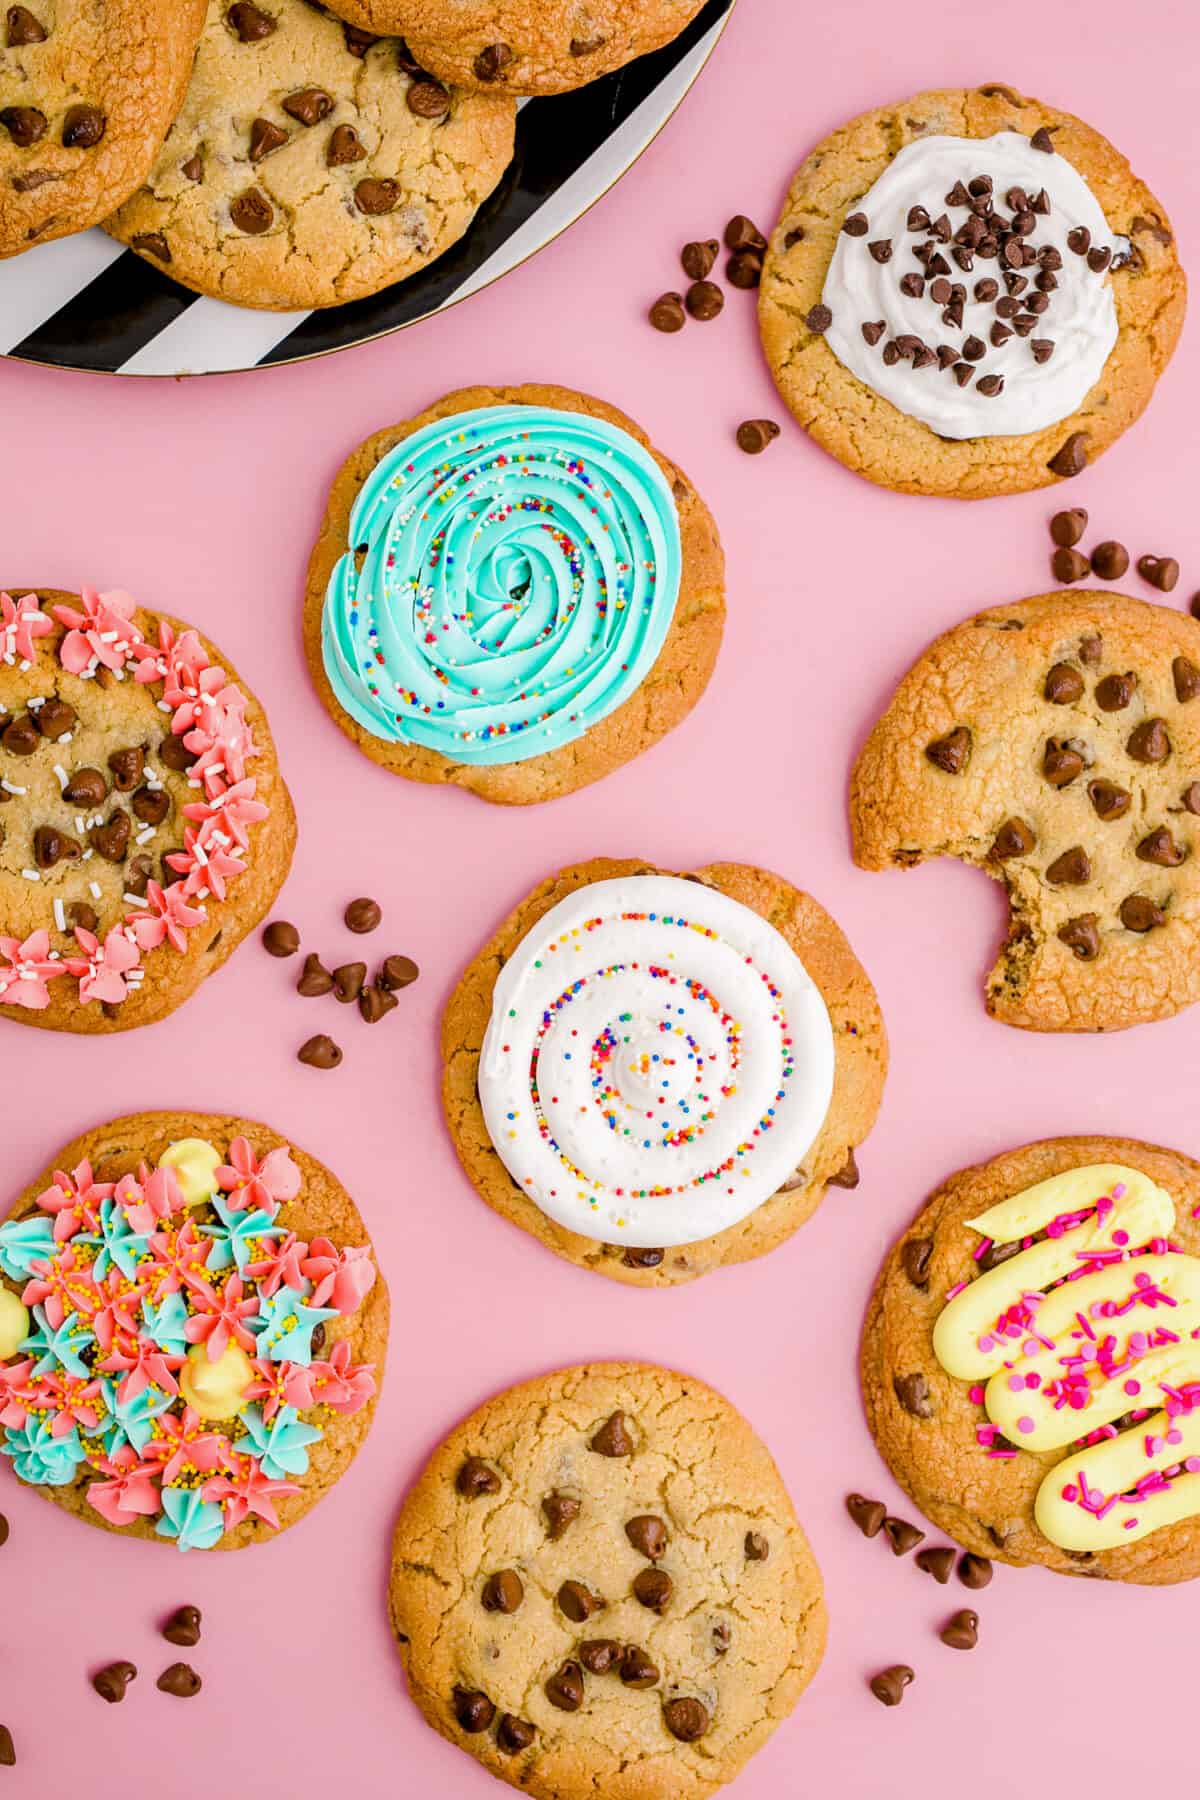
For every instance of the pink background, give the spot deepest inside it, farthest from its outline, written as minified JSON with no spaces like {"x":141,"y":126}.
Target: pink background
{"x":203,"y":499}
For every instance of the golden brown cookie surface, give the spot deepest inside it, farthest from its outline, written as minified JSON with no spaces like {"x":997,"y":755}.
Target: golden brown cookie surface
{"x":88,"y":89}
{"x":308,"y":1202}
{"x":307,"y":167}
{"x":1055,"y":744}
{"x":526,"y":46}
{"x":95,"y":788}
{"x":599,"y":1585}
{"x":867,"y":432}
{"x":925,"y":1421}
{"x":860,"y":1048}
{"x":674,"y":684}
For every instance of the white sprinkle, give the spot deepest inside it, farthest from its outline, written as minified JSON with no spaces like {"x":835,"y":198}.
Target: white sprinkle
{"x":37,"y":702}
{"x":60,"y":917}
{"x":95,"y":889}
{"x":62,"y":775}
{"x":31,"y":874}
{"x":10,"y":787}
{"x":163,"y":707}
{"x":66,"y":737}
{"x":134,"y":899}
{"x":108,"y":637}
{"x":87,"y":855}
{"x":144,"y":835}
{"x":80,"y":824}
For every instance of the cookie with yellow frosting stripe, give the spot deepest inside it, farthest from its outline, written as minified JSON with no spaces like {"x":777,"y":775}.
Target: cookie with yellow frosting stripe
{"x":192,"y":1330}
{"x":1031,"y":1359}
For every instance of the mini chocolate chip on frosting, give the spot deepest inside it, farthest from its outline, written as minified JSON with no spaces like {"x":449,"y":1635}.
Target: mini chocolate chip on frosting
{"x":1003,"y":210}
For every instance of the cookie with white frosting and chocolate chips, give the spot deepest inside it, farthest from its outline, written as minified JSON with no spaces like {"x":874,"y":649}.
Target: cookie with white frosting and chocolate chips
{"x":969,"y":293}
{"x":145,"y":827}
{"x":88,"y":89}
{"x":656,"y":1075}
{"x":1030,"y":1362}
{"x":599,"y":1586}
{"x":526,"y":46}
{"x":311,"y":163}
{"x":1055,"y":744}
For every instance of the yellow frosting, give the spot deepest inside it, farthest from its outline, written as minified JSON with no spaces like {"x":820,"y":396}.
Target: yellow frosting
{"x":14,"y":1324}
{"x":216,"y":1390}
{"x":195,"y":1162}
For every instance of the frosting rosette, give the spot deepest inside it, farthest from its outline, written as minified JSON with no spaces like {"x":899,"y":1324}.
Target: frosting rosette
{"x":510,"y":577}
{"x":657,"y":1064}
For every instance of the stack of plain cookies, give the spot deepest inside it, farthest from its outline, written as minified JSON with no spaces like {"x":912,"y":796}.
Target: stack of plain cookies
{"x":284,"y":155}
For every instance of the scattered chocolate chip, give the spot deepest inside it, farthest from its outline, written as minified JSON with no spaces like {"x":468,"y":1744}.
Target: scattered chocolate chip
{"x":1082,"y":936}
{"x":375,"y":1002}
{"x":962,"y":1631}
{"x":1098,"y":258}
{"x":599,"y":1656}
{"x":280,"y":938}
{"x":83,"y":127}
{"x":8,"y":1753}
{"x":637,"y":1671}
{"x":565,"y":1688}
{"x":951,"y":753}
{"x":974,"y":1571}
{"x":1061,"y":764}
{"x":653,"y":1588}
{"x":110,"y":1682}
{"x":363,"y":915}
{"x":473,"y":1710}
{"x":427,"y":99}
{"x":856,"y":224}
{"x":22,"y":28}
{"x":348,"y":982}
{"x":181,"y":1680}
{"x":1069,"y":565}
{"x":868,"y":1515}
{"x":250,"y":22}
{"x":1110,"y":801}
{"x":648,"y":1534}
{"x":912,"y":1391}
{"x":375,"y":198}
{"x":560,"y":1510}
{"x":1160,"y":848}
{"x":1139,"y":913}
{"x":667,"y":313}
{"x":873,"y":330}
{"x":314,"y":977}
{"x":475,"y":1478}
{"x":915,"y":1258}
{"x":685,"y":1718}
{"x":1149,"y":742}
{"x":753,"y":435}
{"x":742,"y":233}
{"x":902,"y":1535}
{"x":1162,"y":572}
{"x":344,"y":147}
{"x":1043,"y":349}
{"x":704,"y":300}
{"x":1071,"y":457}
{"x":252,"y":212}
{"x":744,"y":270}
{"x":309,"y":105}
{"x":818,"y":319}
{"x":577,"y":1603}
{"x":25,"y":125}
{"x":937,"y":1561}
{"x":1110,"y":560}
{"x":698,"y":258}
{"x":889,"y":1684}
{"x":319,"y":1052}
{"x":3,"y":1531}
{"x":397,"y":972}
{"x":1079,"y":239}
{"x":265,"y":136}
{"x":503,"y":1592}
{"x":613,"y":1437}
{"x":183,"y":1627}
{"x":1063,"y":686}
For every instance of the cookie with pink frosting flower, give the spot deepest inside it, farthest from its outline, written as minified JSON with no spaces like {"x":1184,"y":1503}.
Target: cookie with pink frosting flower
{"x":192,"y":1330}
{"x":145,"y":827}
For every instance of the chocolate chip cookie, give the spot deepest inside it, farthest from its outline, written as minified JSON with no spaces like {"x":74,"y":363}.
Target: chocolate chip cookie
{"x":526,"y":46}
{"x":591,"y":742}
{"x":859,"y":1065}
{"x":969,"y":293}
{"x":1055,"y":744}
{"x":599,"y":1586}
{"x":311,"y":163}
{"x":192,"y":1331}
{"x":1051,"y":1421}
{"x":88,"y":89}
{"x":144,"y":824}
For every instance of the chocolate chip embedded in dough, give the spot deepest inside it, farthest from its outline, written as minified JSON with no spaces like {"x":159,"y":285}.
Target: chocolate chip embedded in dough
{"x":599,"y":1656}
{"x":1186,"y":677}
{"x":1061,"y":764}
{"x":962,"y":1631}
{"x":1041,"y":140}
{"x":111,"y":840}
{"x":83,"y":127}
{"x":648,"y":1534}
{"x":309,"y":105}
{"x":151,"y":806}
{"x":1110,"y":560}
{"x":915,"y":1257}
{"x":152,"y":243}
{"x":492,"y":61}
{"x":1071,"y":457}
{"x":82,"y":916}
{"x":174,"y":754}
{"x":565,"y":1688}
{"x":889,"y":1685}
{"x":265,"y":136}
{"x":1190,"y":798}
{"x":847,"y":1176}
{"x":974,"y":1571}
{"x":685,"y":1718}
{"x":637,"y":1670}
{"x":902,"y":1535}
{"x":1072,"y":869}
{"x":111,"y":1682}
{"x":128,"y":766}
{"x":50,"y":846}
{"x":502,"y":1592}
{"x":995,"y":1254}
{"x":250,"y":22}
{"x":473,"y":1710}
{"x":634,"y":1258}
{"x":1149,"y":742}
{"x":937,"y":1561}
{"x":25,"y":125}
{"x":21,"y":736}
{"x":1141,"y":914}
{"x":428,"y":99}
{"x":868,"y":1515}
{"x":1160,"y":848}
{"x":613,"y":1437}
{"x":818,"y":319}
{"x":252,"y":212}
{"x":560,"y":1510}
{"x":587,"y":46}
{"x":1014,"y":838}
{"x":193,"y":168}
{"x":912,"y":1391}
{"x":21,"y":27}
{"x":1114,"y":693}
{"x":1091,"y":649}
{"x":951,"y":753}
{"x":344,"y":147}
{"x":755,"y":1547}
{"x":358,"y":42}
{"x":1109,"y":800}
{"x":55,"y":719}
{"x":1063,"y":685}
{"x":475,"y":1478}
{"x":653,"y":1588}
{"x":577,"y":1602}
{"x":375,"y":198}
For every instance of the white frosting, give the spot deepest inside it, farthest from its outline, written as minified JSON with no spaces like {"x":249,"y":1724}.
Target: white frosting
{"x":1080,"y":320}
{"x":650,"y":1082}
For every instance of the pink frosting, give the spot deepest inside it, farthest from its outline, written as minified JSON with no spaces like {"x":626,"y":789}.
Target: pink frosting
{"x":219,"y":1322}
{"x":252,"y":1184}
{"x":21,"y":621}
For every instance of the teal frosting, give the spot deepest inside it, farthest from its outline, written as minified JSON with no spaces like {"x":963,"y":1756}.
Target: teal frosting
{"x":195,"y":1524}
{"x":24,"y":1242}
{"x":130,"y":1421}
{"x":235,"y":1236}
{"x":285,"y":1325}
{"x":281,"y":1445}
{"x":510,"y":579}
{"x":41,"y":1458}
{"x":59,"y":1346}
{"x":166,"y":1323}
{"x":119,"y":1244}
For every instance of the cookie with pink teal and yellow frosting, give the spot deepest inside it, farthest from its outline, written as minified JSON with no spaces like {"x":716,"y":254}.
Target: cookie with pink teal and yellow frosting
{"x":145,"y":827}
{"x":192,"y":1330}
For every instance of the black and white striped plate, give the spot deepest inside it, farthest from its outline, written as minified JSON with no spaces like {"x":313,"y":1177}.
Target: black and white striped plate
{"x":84,"y":302}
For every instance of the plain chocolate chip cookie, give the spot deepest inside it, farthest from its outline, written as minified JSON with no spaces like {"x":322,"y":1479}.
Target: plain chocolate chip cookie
{"x":526,"y":46}
{"x":978,"y":1487}
{"x":145,"y":827}
{"x":88,"y":89}
{"x":868,"y":432}
{"x":311,"y":163}
{"x":599,"y":1586}
{"x":860,"y":1048}
{"x":1055,"y":744}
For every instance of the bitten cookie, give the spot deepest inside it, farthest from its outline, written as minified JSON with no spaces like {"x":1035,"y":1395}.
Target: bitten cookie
{"x":599,"y":1586}
{"x":144,"y":824}
{"x":526,"y":46}
{"x":969,"y":293}
{"x":88,"y":89}
{"x":1055,"y":744}
{"x":513,"y":592}
{"x":310,"y":165}
{"x":657,"y":1075}
{"x":192,"y":1330}
{"x":1030,"y":1361}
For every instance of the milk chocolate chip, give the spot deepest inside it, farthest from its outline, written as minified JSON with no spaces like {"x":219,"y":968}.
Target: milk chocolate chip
{"x":613,"y":1437}
{"x":685,"y":1718}
{"x":1014,"y":838}
{"x":912,"y":1391}
{"x":1082,"y":936}
{"x":309,"y":105}
{"x":1110,"y":801}
{"x":473,"y":1710}
{"x":1139,"y":913}
{"x":653,"y":1588}
{"x":577,"y":1603}
{"x":951,"y":753}
{"x":637,"y":1671}
{"x":1160,"y":848}
{"x":344,"y":147}
{"x":1072,"y":869}
{"x":87,"y":787}
{"x":1114,"y":693}
{"x":111,"y":1682}
{"x":560,"y":1511}
{"x":1149,"y":742}
{"x":377,"y":197}
{"x":475,"y":1478}
{"x":565,"y":1688}
{"x":889,"y":1685}
{"x":647,"y":1533}
{"x":503,"y":1592}
{"x":868,"y":1515}
{"x":83,"y":127}
{"x":22,"y":28}
{"x":250,"y":22}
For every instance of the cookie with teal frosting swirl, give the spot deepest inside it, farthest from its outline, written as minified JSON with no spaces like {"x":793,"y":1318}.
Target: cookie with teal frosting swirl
{"x":514,"y":592}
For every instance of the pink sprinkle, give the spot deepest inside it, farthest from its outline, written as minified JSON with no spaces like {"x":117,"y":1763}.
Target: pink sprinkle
{"x":1174,"y":1436}
{"x":1192,"y":1465}
{"x":984,"y":1344}
{"x":1120,"y":1237}
{"x":1133,"y":1387}
{"x":1129,"y":1524}
{"x":1070,"y":1492}
{"x":1118,"y":1192}
{"x":982,"y":1249}
{"x":1016,"y":1384}
{"x":976,"y":1395}
{"x":956,"y":1289}
{"x":1025,"y":1424}
{"x":1033,"y":1381}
